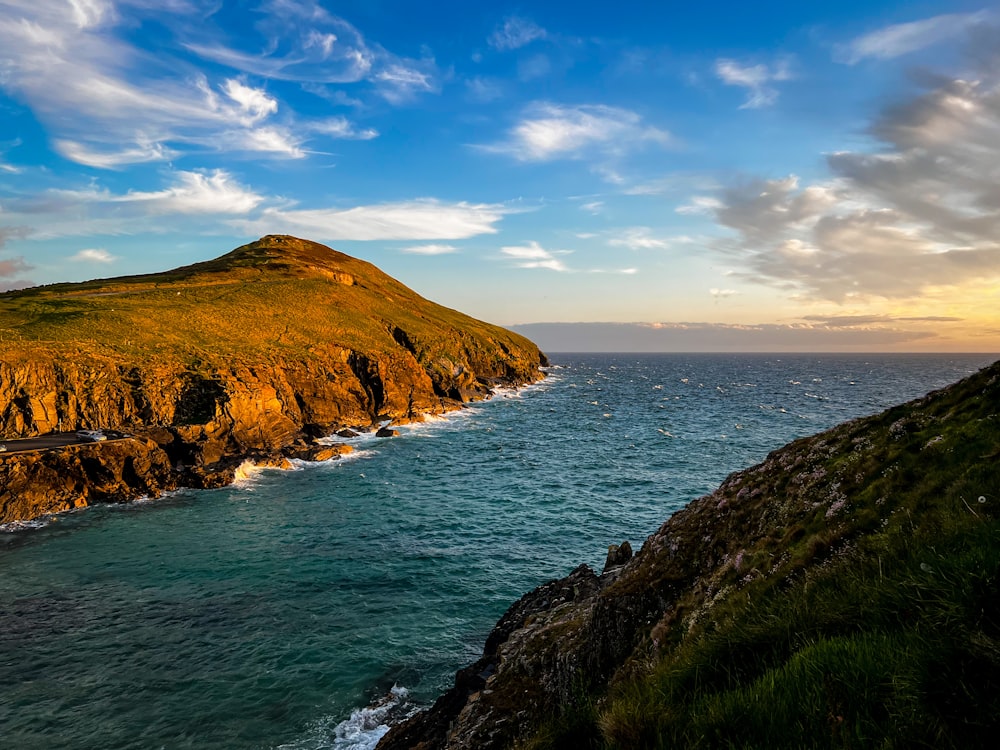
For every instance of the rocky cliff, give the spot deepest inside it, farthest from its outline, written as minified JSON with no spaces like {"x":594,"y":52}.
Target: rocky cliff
{"x":843,"y":593}
{"x":273,"y":344}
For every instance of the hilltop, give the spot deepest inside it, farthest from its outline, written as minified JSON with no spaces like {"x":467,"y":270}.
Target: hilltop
{"x":266,"y":347}
{"x":843,"y":593}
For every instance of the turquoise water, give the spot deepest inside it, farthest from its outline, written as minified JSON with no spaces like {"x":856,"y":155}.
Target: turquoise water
{"x":269,"y":613}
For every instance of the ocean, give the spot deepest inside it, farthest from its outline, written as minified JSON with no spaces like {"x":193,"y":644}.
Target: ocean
{"x":304,"y":609}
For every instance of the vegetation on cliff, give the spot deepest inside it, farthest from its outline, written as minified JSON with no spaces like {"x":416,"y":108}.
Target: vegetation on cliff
{"x":278,"y":341}
{"x":843,"y":593}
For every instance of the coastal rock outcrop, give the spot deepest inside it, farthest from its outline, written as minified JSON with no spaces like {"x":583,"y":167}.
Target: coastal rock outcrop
{"x":32,"y":484}
{"x":850,"y":507}
{"x":279,"y":340}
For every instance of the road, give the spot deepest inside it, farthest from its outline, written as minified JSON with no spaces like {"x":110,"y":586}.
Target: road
{"x":54,"y":440}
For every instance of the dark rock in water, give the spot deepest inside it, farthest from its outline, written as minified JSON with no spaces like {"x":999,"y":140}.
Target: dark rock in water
{"x":346,"y":433}
{"x":531,"y":614}
{"x":618,"y":555}
{"x":316,"y":452}
{"x":385,"y":432}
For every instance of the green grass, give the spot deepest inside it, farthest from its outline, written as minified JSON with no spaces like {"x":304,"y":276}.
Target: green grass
{"x":875,"y":625}
{"x":275,"y":299}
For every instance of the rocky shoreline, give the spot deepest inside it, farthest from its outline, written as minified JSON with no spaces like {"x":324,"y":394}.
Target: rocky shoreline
{"x":252,"y":356}
{"x":145,"y":465}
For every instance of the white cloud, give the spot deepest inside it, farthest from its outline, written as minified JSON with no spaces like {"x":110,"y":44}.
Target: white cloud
{"x":399,"y":83}
{"x":137,"y":153}
{"x":534,"y":255}
{"x":551,"y":131}
{"x":204,"y":199}
{"x":639,"y":238}
{"x":411,"y":220}
{"x":93,"y":255}
{"x":430,"y":249}
{"x":341,"y":127}
{"x":698,"y":205}
{"x":756,"y":79}
{"x":107,"y":103}
{"x":516,"y":33}
{"x":196,"y":193}
{"x":255,"y":103}
{"x":592,"y":207}
{"x":721,"y":293}
{"x":903,"y":38}
{"x":275,"y":140}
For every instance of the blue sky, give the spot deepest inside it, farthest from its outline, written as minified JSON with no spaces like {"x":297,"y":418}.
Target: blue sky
{"x":812,"y":175}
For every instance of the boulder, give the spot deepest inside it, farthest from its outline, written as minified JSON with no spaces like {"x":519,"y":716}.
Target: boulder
{"x":618,"y":555}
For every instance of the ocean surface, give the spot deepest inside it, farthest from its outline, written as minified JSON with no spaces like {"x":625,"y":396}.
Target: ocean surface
{"x":304,"y":609}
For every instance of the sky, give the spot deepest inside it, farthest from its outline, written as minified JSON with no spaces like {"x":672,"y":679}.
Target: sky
{"x":769,"y":176}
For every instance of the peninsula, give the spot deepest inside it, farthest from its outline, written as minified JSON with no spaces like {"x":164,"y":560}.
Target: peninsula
{"x":251,"y":356}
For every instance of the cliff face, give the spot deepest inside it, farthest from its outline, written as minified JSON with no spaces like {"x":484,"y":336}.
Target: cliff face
{"x":279,"y":341}
{"x":881,"y":531}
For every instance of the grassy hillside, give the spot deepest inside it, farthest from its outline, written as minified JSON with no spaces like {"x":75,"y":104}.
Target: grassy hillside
{"x":866,"y":615}
{"x":276,"y":298}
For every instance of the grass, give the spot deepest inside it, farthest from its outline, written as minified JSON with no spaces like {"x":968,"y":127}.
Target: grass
{"x":275,"y":299}
{"x":867,"y":617}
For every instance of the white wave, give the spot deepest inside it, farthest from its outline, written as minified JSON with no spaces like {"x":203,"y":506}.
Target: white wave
{"x":34,"y":523}
{"x":245,"y":472}
{"x":362,"y":730}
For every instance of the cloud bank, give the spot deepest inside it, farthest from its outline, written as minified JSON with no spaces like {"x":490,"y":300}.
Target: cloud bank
{"x":918,"y":212}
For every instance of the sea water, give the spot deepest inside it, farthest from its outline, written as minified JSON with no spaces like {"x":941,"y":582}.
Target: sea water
{"x":309,"y":608}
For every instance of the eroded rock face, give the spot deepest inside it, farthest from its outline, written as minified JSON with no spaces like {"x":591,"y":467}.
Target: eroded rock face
{"x":37,"y":483}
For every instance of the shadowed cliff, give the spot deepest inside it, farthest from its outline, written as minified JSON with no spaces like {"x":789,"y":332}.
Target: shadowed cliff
{"x":843,"y":593}
{"x":278,"y":341}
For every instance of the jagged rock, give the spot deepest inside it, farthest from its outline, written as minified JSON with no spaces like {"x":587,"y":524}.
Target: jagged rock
{"x":41,"y":482}
{"x":317,"y":452}
{"x":386,"y":432}
{"x":346,"y":433}
{"x":618,"y":555}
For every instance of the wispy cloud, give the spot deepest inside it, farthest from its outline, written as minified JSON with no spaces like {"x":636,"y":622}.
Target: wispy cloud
{"x":202,"y":197}
{"x":196,"y":193}
{"x":93,"y":255}
{"x":515,"y":33}
{"x":755,"y":78}
{"x":430,"y":249}
{"x":410,"y":220}
{"x":551,"y":131}
{"x":534,"y":255}
{"x":639,"y":238}
{"x":903,"y":38}
{"x":107,"y":103}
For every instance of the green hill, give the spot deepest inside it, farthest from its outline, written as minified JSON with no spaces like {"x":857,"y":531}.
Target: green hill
{"x":276,"y":342}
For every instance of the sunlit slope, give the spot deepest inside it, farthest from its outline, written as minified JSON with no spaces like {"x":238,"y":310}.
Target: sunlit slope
{"x":279,"y":295}
{"x":296,"y":328}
